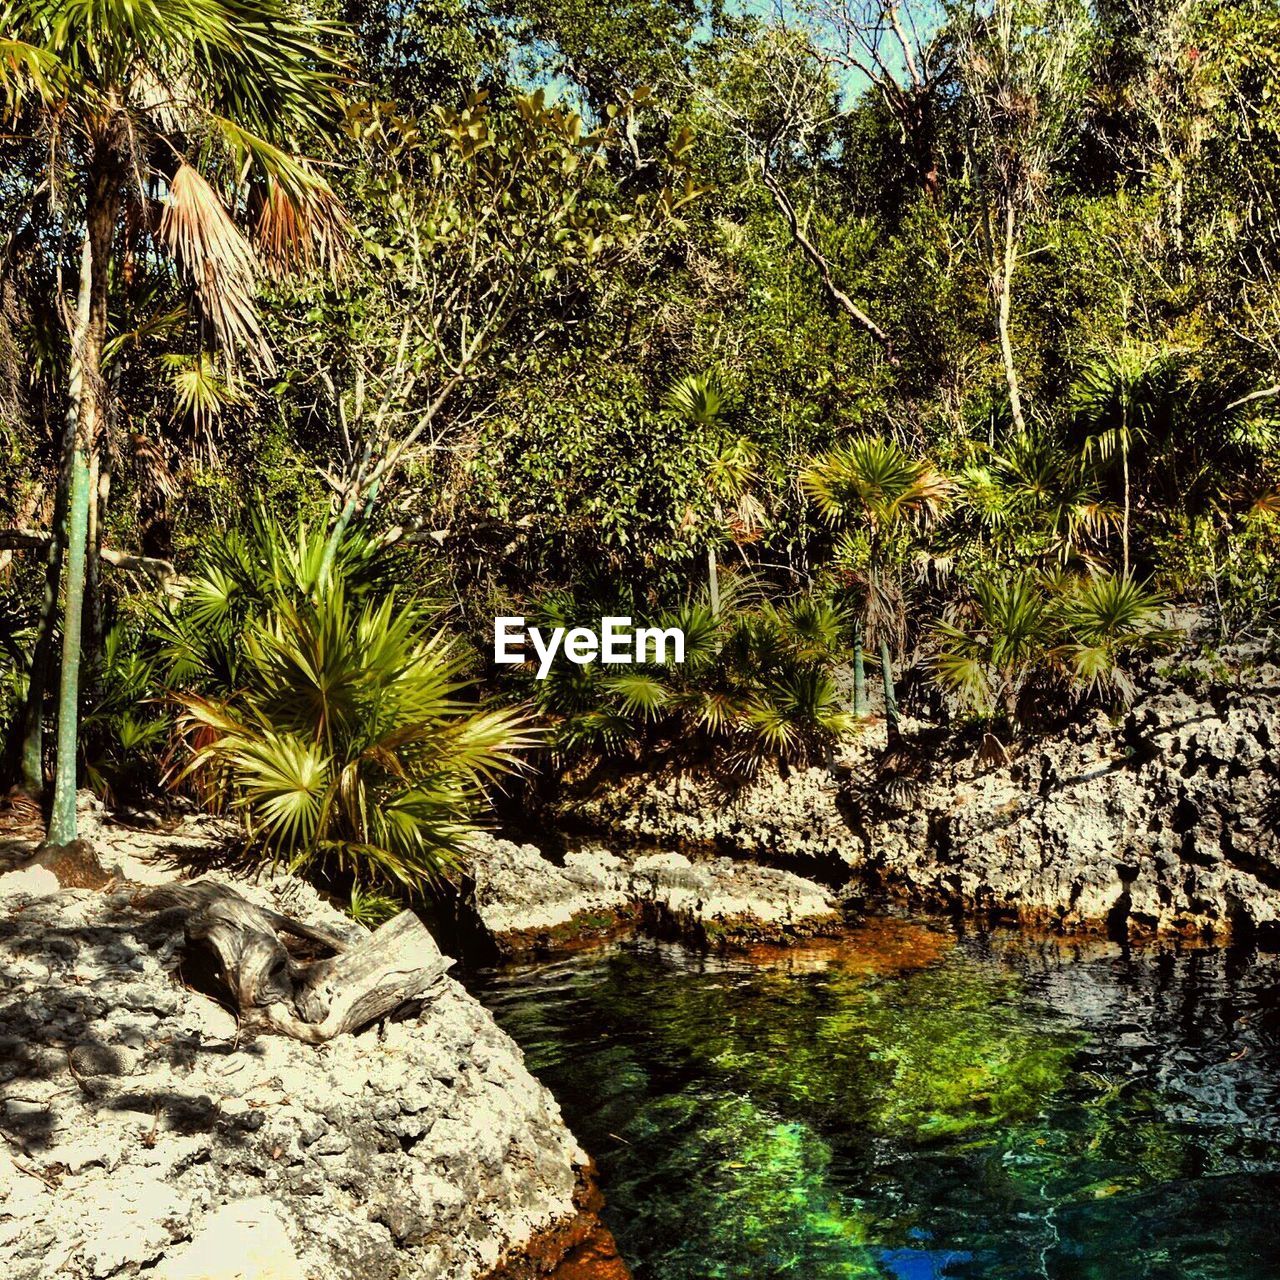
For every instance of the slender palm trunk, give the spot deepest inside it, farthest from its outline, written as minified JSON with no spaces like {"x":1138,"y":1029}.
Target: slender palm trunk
{"x":355,"y":500}
{"x":99,"y":491}
{"x":62,"y":821}
{"x":1124,"y":462}
{"x":1004,"y":288}
{"x":890,"y":696}
{"x":713,"y":581}
{"x":859,"y":672}
{"x":86,"y":390}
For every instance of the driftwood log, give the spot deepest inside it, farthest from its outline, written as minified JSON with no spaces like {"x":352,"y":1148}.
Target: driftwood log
{"x":312,"y":1001}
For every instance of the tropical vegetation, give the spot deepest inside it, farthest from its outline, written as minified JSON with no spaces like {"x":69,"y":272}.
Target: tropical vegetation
{"x":941,"y":334}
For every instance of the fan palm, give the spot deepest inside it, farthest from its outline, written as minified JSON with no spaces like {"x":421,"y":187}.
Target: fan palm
{"x":1109,"y":620}
{"x":874,"y":484}
{"x":1117,"y":397}
{"x":1019,"y":632}
{"x":755,"y":684}
{"x":186,"y":118}
{"x":347,"y":747}
{"x":985,"y":654}
{"x":1033,"y":497}
{"x":705,"y":401}
{"x":243,"y":576}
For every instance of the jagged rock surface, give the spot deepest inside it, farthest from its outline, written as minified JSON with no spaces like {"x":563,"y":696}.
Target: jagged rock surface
{"x":525,"y":901}
{"x":132,"y":1113}
{"x":519,"y":891}
{"x":1166,"y":822}
{"x":793,"y":818}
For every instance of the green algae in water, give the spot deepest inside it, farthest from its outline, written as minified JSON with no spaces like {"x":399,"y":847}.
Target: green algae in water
{"x":945,"y":1113}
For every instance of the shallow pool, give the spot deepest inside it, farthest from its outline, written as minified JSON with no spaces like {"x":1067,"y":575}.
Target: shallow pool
{"x":913,"y":1104}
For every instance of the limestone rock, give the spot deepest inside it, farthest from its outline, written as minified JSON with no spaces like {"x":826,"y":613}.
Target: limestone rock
{"x":525,"y":901}
{"x":134,"y":1112}
{"x":1166,"y":822}
{"x":245,"y":1240}
{"x":794,"y":818}
{"x":32,"y":882}
{"x":518,"y":890}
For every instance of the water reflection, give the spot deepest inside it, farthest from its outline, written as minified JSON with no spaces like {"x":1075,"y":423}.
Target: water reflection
{"x":911,"y":1104}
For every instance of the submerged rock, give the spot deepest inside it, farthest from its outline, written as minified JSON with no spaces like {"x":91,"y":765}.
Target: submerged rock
{"x":143,"y":1134}
{"x":1165,"y":822}
{"x":527,"y":902}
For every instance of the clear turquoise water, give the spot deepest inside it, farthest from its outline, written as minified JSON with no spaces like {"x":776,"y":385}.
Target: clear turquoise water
{"x":914,"y":1105}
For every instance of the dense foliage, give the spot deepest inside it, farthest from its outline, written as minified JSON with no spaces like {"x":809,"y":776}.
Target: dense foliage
{"x":941,"y":333}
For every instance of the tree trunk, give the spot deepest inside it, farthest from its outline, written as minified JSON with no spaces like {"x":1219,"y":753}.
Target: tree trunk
{"x":86,"y":388}
{"x":890,"y":697}
{"x":1004,"y":296}
{"x":713,"y":581}
{"x":32,"y":748}
{"x":99,"y":483}
{"x":62,"y":820}
{"x":1124,"y":461}
{"x":859,"y":672}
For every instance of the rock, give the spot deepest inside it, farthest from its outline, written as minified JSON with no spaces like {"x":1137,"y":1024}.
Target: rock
{"x":418,"y":1148}
{"x":31,"y":882}
{"x":794,"y":820}
{"x":520,"y":894}
{"x":527,"y":902}
{"x":719,"y":899}
{"x":153,"y":856}
{"x":245,"y":1240}
{"x":1163,"y":823}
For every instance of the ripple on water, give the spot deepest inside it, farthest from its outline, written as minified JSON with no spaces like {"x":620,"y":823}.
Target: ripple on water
{"x":907,"y":1103}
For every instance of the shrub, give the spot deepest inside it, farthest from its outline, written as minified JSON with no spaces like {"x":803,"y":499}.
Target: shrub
{"x":756,"y":684}
{"x":1021,"y":645}
{"x":330,"y":715}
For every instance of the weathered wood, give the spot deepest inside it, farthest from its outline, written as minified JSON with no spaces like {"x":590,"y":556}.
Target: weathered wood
{"x":393,"y":965}
{"x":198,"y":895}
{"x":314,"y":1001}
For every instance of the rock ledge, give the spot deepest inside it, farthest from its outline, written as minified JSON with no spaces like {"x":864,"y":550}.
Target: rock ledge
{"x":136,"y":1120}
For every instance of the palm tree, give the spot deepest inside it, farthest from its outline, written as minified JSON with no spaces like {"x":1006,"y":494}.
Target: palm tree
{"x":988,"y":651}
{"x":703,"y":400}
{"x":326,"y":711}
{"x":873,"y":486}
{"x":1031,"y":500}
{"x":183,"y":118}
{"x":1117,"y":397}
{"x":1107,"y":621}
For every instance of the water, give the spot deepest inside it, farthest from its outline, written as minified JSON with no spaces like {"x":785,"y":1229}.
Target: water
{"x":913,"y":1105}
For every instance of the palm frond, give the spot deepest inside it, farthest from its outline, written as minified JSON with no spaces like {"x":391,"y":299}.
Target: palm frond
{"x":703,"y":399}
{"x":639,"y":695}
{"x":218,"y":262}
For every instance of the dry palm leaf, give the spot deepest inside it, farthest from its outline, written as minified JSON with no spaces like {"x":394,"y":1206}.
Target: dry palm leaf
{"x":219,"y":262}
{"x":152,"y":466}
{"x":304,"y":227}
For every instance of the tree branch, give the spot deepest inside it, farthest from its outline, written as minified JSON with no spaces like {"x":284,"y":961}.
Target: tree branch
{"x":823,"y":267}
{"x":1263,"y":393}
{"x":34,"y":540}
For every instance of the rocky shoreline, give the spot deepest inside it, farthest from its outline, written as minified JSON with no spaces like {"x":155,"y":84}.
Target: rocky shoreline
{"x":526,"y":902}
{"x":144,"y":1134}
{"x":1165,"y":822}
